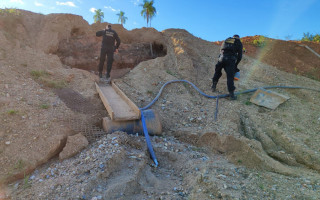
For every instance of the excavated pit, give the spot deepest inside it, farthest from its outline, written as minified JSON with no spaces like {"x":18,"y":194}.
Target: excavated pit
{"x":83,"y":52}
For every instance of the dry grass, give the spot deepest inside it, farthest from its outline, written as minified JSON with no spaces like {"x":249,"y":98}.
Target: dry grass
{"x":45,"y":79}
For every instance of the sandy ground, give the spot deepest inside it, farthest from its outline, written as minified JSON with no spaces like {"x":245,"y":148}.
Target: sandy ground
{"x":249,"y":152}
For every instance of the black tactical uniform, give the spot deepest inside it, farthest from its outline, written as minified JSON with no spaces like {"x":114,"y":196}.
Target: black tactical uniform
{"x":229,"y":58}
{"x":108,"y":47}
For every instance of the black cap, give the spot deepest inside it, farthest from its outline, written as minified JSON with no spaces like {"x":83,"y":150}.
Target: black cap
{"x":236,"y":36}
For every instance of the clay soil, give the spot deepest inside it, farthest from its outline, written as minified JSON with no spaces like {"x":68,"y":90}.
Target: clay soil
{"x":289,"y":56}
{"x":243,"y":152}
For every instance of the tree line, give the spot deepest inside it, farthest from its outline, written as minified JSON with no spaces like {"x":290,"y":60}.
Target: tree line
{"x":148,"y":12}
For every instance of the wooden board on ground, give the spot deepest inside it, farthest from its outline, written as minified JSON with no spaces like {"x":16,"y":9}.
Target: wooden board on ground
{"x":268,"y":99}
{"x":118,"y":105}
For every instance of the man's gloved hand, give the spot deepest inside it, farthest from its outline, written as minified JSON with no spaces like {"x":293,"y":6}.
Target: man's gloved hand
{"x":237,"y":69}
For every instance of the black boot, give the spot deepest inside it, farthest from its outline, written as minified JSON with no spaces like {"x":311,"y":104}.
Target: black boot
{"x":214,"y":86}
{"x":108,"y":79}
{"x":100,"y":74}
{"x":232,"y":96}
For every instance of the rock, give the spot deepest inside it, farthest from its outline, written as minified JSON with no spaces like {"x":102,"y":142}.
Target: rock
{"x":101,"y":166}
{"x":221,"y":175}
{"x":15,"y":186}
{"x":74,"y":145}
{"x":234,"y":187}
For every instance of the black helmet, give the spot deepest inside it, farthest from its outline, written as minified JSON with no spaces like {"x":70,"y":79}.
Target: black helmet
{"x":236,"y":36}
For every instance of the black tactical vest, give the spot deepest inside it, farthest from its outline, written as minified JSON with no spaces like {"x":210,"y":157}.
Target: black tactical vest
{"x":229,"y":45}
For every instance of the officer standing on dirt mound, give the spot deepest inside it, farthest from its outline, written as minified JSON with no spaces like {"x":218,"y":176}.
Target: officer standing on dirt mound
{"x":229,"y":58}
{"x":108,"y":47}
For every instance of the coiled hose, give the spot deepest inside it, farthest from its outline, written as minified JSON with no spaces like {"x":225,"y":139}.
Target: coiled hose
{"x":145,"y":130}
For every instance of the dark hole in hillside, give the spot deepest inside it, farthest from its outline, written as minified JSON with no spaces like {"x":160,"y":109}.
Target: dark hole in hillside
{"x":158,"y":50}
{"x":83,"y":52}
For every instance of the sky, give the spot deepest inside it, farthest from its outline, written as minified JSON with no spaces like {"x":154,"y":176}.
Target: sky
{"x":210,"y":20}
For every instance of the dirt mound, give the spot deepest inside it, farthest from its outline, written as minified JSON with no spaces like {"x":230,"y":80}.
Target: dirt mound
{"x":118,"y":167}
{"x":195,"y":113}
{"x":44,"y":98}
{"x":243,"y":154}
{"x":74,"y":41}
{"x":289,"y":56}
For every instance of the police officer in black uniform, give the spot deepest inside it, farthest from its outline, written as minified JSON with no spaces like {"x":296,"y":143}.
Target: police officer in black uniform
{"x":229,"y":58}
{"x":108,"y":47}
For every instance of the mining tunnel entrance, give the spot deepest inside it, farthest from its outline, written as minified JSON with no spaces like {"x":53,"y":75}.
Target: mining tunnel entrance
{"x":83,"y":52}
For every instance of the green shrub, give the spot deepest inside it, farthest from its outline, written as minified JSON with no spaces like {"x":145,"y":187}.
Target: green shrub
{"x":170,"y":72}
{"x":54,"y":84}
{"x":310,"y":37}
{"x":44,"y":106}
{"x":38,"y":73}
{"x":26,"y":183}
{"x":261,"y":42}
{"x":12,"y":112}
{"x":10,"y":11}
{"x":307,"y":37}
{"x":43,"y":78}
{"x":316,"y":38}
{"x":19,"y":164}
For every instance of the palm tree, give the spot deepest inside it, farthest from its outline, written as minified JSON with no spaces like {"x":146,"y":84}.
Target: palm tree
{"x":99,"y":15}
{"x":148,"y":10}
{"x":122,"y":18}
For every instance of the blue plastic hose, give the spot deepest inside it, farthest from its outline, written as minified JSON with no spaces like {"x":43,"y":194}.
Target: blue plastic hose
{"x":146,"y":135}
{"x":221,"y":95}
{"x":216,"y":113}
{"x":145,"y":130}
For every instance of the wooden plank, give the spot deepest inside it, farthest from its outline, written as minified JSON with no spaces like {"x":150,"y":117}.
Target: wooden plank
{"x":126,"y":99}
{"x":105,"y":101}
{"x":119,"y":107}
{"x":268,"y":99}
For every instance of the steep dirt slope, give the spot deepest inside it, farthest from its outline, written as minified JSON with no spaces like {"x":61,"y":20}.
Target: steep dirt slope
{"x":289,"y":56}
{"x":268,"y":141}
{"x":32,"y":125}
{"x":41,"y":93}
{"x":246,"y":124}
{"x":250,"y":152}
